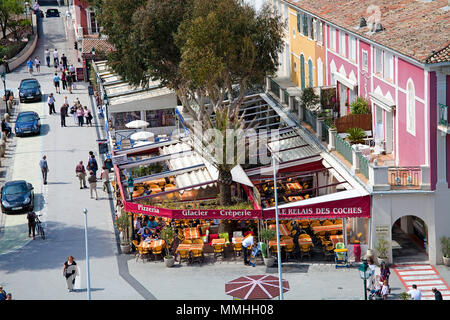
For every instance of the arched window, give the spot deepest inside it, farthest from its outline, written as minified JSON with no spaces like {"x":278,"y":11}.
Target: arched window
{"x":302,"y":71}
{"x":410,"y":108}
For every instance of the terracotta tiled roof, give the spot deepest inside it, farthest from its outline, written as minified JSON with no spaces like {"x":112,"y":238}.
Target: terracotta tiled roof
{"x":415,"y":28}
{"x":98,"y":44}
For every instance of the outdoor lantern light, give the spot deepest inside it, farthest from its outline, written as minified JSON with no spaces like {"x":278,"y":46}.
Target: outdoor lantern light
{"x":130,"y":186}
{"x":365,"y":272}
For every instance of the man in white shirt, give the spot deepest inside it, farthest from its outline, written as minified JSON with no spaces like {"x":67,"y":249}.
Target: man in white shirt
{"x":415,"y":293}
{"x":246,"y":247}
{"x":47,"y":57}
{"x":55,"y":57}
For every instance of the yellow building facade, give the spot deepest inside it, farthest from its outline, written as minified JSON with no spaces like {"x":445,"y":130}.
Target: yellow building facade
{"x":307,"y":52}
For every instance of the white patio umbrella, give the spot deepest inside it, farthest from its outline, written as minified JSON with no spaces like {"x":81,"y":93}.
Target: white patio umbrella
{"x":142,"y":135}
{"x":142,"y":143}
{"x":137,"y":124}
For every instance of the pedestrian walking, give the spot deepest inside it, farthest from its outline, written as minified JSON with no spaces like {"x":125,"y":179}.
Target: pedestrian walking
{"x":385,"y":290}
{"x":47,"y":57}
{"x":55,"y":58}
{"x":105,"y":178}
{"x":31,"y":217}
{"x":51,"y":103}
{"x":384,"y":271}
{"x":69,"y":80}
{"x":80,"y":115}
{"x":73,"y":111}
{"x":56,"y":80}
{"x":63,"y":112}
{"x":372,"y":279}
{"x":98,"y":99}
{"x":30,"y":66}
{"x":63,"y":80}
{"x":80,"y":172}
{"x":88,"y":116}
{"x":66,"y":101}
{"x":92,"y":164}
{"x":44,"y":168}
{"x":70,"y":271}
{"x":415,"y":293}
{"x":64,"y":61}
{"x":37,"y":62}
{"x":10,"y":103}
{"x":437,"y":294}
{"x":6,"y":64}
{"x":61,"y":66}
{"x":93,"y":184}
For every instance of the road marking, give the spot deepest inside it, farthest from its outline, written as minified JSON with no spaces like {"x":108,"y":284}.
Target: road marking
{"x":425,"y":277}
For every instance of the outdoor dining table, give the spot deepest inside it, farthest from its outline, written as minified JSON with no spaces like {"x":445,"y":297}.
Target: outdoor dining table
{"x":305,"y":241}
{"x":152,"y":244}
{"x":218,"y":241}
{"x":283,"y":243}
{"x":283,"y":229}
{"x":189,"y":246}
{"x":330,"y":227}
{"x":191,"y":233}
{"x":237,"y":239}
{"x":337,"y":238}
{"x":294,"y":186}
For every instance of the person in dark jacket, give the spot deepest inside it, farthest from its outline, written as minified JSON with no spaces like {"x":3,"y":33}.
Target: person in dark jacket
{"x":437,"y":294}
{"x":63,"y":112}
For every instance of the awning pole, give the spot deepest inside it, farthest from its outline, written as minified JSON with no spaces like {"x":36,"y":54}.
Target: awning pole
{"x":344,"y":231}
{"x":278,"y":227}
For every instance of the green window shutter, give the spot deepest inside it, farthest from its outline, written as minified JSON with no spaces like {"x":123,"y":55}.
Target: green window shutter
{"x":305,"y":25}
{"x":312,"y":27}
{"x":302,"y":71}
{"x":310,"y":73}
{"x":299,"y":27}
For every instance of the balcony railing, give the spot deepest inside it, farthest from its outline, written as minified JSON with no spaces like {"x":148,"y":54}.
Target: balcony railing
{"x":310,"y":119}
{"x":364,"y":166}
{"x":275,"y":88}
{"x":343,"y":148}
{"x":325,"y":129}
{"x":404,"y":177}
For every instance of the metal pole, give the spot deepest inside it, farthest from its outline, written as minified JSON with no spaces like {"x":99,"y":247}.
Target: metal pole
{"x":365,"y":289}
{"x":278,"y":227}
{"x":87,"y":254}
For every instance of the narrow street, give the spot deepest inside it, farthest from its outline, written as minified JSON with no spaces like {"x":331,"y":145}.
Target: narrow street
{"x":25,"y":263}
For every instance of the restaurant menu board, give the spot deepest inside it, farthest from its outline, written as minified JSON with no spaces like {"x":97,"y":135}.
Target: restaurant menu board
{"x":80,"y":74}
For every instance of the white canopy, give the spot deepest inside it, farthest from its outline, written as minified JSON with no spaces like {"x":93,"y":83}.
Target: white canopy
{"x":137,"y":124}
{"x":142,"y":135}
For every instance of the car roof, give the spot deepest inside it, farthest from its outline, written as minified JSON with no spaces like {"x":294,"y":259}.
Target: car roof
{"x":27,"y":112}
{"x":9,"y":183}
{"x":51,"y":9}
{"x":29,"y":80}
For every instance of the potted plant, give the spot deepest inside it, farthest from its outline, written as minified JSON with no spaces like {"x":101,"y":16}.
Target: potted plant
{"x":356,"y":135}
{"x":360,"y":106}
{"x":267,"y":235}
{"x":382,"y":249}
{"x":404,"y":296}
{"x":445,"y":247}
{"x":123,"y":224}
{"x":168,"y":234}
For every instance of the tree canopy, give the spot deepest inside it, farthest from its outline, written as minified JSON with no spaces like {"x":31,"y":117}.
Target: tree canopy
{"x":9,"y":8}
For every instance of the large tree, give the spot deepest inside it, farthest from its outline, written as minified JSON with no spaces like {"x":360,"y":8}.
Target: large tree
{"x":202,"y":49}
{"x":9,"y":8}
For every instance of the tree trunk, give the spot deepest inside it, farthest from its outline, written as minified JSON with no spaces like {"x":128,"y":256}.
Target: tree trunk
{"x":225,"y":180}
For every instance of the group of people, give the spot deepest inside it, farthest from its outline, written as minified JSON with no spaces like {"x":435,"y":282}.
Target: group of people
{"x":92,"y":168}
{"x":80,"y":114}
{"x":147,"y":228}
{"x":4,"y":295}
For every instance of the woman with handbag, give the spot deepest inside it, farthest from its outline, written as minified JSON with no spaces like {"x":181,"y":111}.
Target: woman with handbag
{"x":88,"y":116}
{"x":70,"y":271}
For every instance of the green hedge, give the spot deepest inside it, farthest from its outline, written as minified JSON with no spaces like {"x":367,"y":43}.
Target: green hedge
{"x":11,"y":50}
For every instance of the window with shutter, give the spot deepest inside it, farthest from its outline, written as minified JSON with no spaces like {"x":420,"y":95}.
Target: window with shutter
{"x":305,"y":25}
{"x":311,"y":25}
{"x":302,"y":71}
{"x":299,"y":28}
{"x":310,"y":73}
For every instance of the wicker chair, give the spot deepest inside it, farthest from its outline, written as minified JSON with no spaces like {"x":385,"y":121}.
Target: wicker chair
{"x":218,"y":250}
{"x":184,"y":255}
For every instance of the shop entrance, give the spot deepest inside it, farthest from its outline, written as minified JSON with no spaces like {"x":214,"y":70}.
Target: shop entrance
{"x":409,"y":240}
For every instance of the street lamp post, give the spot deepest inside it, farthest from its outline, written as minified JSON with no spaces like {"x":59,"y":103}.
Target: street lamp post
{"x":3,"y":76}
{"x":85,"y":211}
{"x":365,"y":273}
{"x":277,"y":226}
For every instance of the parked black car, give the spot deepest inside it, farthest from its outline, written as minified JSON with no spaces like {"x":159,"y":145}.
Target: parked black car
{"x":17,"y":196}
{"x":30,"y":90}
{"x":52,"y":13}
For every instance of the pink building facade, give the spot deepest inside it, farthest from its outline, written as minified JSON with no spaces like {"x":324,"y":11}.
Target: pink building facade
{"x":84,"y":19}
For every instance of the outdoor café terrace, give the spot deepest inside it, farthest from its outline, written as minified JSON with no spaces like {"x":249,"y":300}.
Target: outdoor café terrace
{"x":172,"y":179}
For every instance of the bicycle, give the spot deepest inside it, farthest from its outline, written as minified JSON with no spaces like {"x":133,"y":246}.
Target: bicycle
{"x":40,"y":229}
